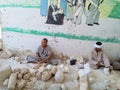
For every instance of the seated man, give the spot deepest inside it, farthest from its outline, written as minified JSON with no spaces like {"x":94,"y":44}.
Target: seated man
{"x":43,"y":54}
{"x":98,"y":58}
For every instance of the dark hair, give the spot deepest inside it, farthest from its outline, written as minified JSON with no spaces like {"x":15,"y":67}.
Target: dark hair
{"x":45,"y":39}
{"x":99,"y":43}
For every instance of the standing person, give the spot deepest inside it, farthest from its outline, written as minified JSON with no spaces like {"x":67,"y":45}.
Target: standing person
{"x":63,"y":5}
{"x":98,"y":58}
{"x":44,"y":7}
{"x":93,"y":8}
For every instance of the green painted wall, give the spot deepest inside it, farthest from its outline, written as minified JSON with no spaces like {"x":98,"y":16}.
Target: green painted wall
{"x":63,"y":35}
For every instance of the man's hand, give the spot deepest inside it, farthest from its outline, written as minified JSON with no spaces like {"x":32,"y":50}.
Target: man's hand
{"x":99,"y":65}
{"x":42,"y":61}
{"x":110,"y":68}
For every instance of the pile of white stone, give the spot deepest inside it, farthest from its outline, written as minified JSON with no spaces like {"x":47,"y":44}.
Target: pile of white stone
{"x":43,"y":77}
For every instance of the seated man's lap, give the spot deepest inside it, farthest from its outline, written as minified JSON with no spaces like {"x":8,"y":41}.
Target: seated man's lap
{"x":31,"y":59}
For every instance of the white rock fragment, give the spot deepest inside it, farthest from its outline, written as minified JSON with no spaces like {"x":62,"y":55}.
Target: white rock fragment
{"x":59,"y":76}
{"x":106,"y":71}
{"x":64,"y":87}
{"x":19,"y":76}
{"x":34,"y":73}
{"x":17,"y":70}
{"x":46,"y":75}
{"x":60,"y":67}
{"x":37,"y":66}
{"x":75,"y":76}
{"x":41,"y":86}
{"x":6,"y":82}
{"x":79,"y":59}
{"x":21,"y":84}
{"x":85,"y":71}
{"x":49,"y":67}
{"x":12,"y":81}
{"x":91,"y":80}
{"x":54,"y":70}
{"x":26,"y":76}
{"x":5,"y":73}
{"x":65,"y":69}
{"x":87,"y":68}
{"x":73,"y":85}
{"x":38,"y":75}
{"x":18,"y":59}
{"x":34,"y":80}
{"x":25,"y":70}
{"x":54,"y":87}
{"x":41,"y":69}
{"x":81,"y":73}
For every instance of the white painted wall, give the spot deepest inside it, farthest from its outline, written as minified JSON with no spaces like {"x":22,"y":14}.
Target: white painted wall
{"x":29,"y":18}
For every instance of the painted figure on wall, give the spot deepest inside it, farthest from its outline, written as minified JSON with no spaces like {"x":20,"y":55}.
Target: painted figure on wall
{"x":55,"y":14}
{"x":93,"y":8}
{"x":63,"y":5}
{"x":70,"y":10}
{"x":44,"y":8}
{"x":79,"y":10}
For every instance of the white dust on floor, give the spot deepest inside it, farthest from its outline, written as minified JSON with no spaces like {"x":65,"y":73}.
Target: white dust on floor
{"x":100,"y":81}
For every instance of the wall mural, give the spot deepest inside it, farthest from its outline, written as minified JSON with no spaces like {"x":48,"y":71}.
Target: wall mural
{"x":108,"y":8}
{"x":74,"y":10}
{"x":57,"y":18}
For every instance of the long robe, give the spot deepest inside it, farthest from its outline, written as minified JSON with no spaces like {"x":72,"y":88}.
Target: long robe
{"x":98,"y":57}
{"x":94,"y":12}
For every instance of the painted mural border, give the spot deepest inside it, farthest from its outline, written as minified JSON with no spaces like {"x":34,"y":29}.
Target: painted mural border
{"x":18,"y":6}
{"x":59,"y":34}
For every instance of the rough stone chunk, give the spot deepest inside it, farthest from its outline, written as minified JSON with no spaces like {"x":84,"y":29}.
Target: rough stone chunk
{"x":12,"y":81}
{"x":21,"y":84}
{"x":59,"y":76}
{"x":25,"y":71}
{"x":54,"y":70}
{"x":6,"y":82}
{"x":46,"y":75}
{"x":54,"y":87}
{"x":5,"y":73}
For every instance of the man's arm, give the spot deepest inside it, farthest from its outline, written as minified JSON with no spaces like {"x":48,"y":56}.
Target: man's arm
{"x":46,"y":59}
{"x":38,"y":56}
{"x":91,"y":59}
{"x":106,"y":60}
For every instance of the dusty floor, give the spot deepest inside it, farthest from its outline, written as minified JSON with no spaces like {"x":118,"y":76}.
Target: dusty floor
{"x":97,"y":79}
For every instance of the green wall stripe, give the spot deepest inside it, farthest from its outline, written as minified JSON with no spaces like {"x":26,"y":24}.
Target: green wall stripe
{"x":59,"y":34}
